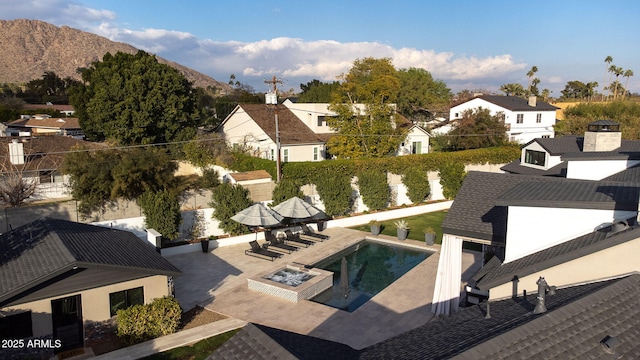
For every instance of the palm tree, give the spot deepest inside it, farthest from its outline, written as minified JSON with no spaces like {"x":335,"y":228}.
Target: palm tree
{"x":628,"y":73}
{"x":618,"y":71}
{"x":512,"y":89}
{"x":608,"y":60}
{"x":532,"y":81}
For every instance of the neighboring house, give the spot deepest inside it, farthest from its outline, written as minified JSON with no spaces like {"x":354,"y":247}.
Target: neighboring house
{"x":599,"y":320}
{"x":37,"y":159}
{"x":567,"y":229}
{"x":63,"y":280}
{"x":252,"y":128}
{"x":42,"y":124}
{"x":67,"y":110}
{"x":525,"y":119}
{"x":416,"y":142}
{"x":302,"y":128}
{"x":600,"y":153}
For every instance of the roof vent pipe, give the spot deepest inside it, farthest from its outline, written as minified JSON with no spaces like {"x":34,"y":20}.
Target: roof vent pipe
{"x":542,"y":290}
{"x":609,"y":344}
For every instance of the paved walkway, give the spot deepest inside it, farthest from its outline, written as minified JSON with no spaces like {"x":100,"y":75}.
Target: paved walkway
{"x":218,"y":281}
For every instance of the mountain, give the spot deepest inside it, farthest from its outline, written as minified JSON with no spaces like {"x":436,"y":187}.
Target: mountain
{"x":29,"y":48}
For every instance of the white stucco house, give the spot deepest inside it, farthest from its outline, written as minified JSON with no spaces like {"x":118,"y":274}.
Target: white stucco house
{"x":525,"y":119}
{"x":416,"y":142}
{"x":566,"y":211}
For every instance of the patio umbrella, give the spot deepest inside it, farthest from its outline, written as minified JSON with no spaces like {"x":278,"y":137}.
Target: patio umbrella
{"x":344,"y":277}
{"x":258,"y":215}
{"x":299,"y":210}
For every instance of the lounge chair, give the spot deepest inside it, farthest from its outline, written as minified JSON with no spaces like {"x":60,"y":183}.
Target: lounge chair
{"x":278,"y":244}
{"x":295,"y":238}
{"x":257,"y":251}
{"x":309,"y":232}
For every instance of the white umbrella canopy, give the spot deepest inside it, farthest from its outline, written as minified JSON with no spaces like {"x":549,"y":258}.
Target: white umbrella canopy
{"x":258,"y":215}
{"x":298,"y":209}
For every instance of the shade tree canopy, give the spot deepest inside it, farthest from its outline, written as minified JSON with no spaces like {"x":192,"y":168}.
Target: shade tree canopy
{"x":133,"y":99}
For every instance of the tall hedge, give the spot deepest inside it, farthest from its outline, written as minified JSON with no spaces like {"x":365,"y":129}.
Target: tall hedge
{"x":227,"y":200}
{"x":451,"y":178}
{"x":374,"y":189}
{"x":286,"y":189}
{"x":140,"y":323}
{"x":161,"y":212}
{"x":417,"y":184}
{"x":335,"y":192}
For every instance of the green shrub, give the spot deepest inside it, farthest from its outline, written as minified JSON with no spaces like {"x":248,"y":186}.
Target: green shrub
{"x":451,"y":178}
{"x":209,"y":179}
{"x":418,"y":187}
{"x":374,"y":189}
{"x":227,"y":200}
{"x":286,"y":189}
{"x":161,"y":212}
{"x":335,"y":192}
{"x":140,"y":323}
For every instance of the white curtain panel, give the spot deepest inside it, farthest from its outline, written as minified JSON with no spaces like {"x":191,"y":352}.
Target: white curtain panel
{"x":446,"y":295}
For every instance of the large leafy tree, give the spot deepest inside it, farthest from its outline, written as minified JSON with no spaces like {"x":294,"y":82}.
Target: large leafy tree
{"x":316,"y":91}
{"x":478,"y":129}
{"x":579,"y":90}
{"x":420,"y":95}
{"x":49,"y":88}
{"x":100,"y":178}
{"x":133,"y":99}
{"x":366,"y":124}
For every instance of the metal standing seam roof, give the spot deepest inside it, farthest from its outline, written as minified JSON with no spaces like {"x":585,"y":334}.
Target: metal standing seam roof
{"x":45,"y":248}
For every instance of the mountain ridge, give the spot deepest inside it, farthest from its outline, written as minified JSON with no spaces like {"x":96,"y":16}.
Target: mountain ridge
{"x":32,"y":47}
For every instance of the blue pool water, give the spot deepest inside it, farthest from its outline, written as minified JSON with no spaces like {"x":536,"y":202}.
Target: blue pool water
{"x":371,"y":267}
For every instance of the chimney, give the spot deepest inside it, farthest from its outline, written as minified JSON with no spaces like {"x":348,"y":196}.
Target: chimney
{"x":532,"y":101}
{"x":155,"y":239}
{"x":602,"y":135}
{"x":16,"y":152}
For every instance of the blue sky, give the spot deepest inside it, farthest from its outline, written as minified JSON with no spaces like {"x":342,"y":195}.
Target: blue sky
{"x":469,"y":44}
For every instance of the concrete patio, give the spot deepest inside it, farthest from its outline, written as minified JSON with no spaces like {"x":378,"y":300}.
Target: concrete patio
{"x":217,"y":280}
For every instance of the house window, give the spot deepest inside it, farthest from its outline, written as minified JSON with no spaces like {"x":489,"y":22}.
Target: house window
{"x":534,"y":157}
{"x":321,"y":120}
{"x":285,"y":155}
{"x":520,"y":118}
{"x":416,"y":147}
{"x":538,"y":118}
{"x":273,"y":156}
{"x":126,"y":298}
{"x":315,"y":153}
{"x":16,"y":326}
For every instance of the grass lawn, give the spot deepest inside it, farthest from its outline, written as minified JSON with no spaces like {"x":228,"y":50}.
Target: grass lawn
{"x":198,"y":351}
{"x":416,"y":226}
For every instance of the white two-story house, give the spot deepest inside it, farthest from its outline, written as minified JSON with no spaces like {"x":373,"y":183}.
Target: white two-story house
{"x":525,"y":119}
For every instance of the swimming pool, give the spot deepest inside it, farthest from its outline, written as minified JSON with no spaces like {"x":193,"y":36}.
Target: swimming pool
{"x":370,"y":267}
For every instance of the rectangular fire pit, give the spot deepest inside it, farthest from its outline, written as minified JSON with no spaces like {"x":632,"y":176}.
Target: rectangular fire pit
{"x":292,"y":283}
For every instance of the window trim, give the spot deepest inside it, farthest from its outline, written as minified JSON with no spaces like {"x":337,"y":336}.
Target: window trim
{"x":519,"y":118}
{"x":113,"y":308}
{"x":530,"y":156}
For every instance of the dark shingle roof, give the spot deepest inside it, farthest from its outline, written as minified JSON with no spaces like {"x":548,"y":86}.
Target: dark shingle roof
{"x":292,"y":130}
{"x":628,"y":175}
{"x":514,"y":167}
{"x":474,"y":212}
{"x":555,"y":255}
{"x":515,"y":103}
{"x":262,"y":342}
{"x":573,"y":193}
{"x":46,"y":248}
{"x":514,"y":332}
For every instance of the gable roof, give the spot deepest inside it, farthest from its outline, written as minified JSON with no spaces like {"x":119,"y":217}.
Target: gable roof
{"x":475,"y":214}
{"x":48,"y":123}
{"x":45,"y":248}
{"x":292,"y":130}
{"x":581,"y":246}
{"x":515,"y":103}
